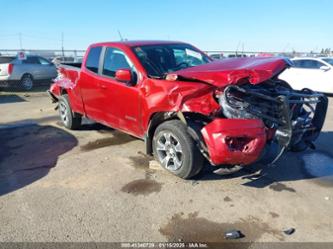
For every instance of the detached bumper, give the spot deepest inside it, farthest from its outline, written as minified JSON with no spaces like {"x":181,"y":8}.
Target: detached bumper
{"x":234,"y":141}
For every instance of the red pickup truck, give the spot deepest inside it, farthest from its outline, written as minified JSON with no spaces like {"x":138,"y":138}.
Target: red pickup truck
{"x":186,"y":106}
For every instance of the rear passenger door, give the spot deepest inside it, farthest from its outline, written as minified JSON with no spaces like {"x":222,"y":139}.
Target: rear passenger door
{"x":48,"y":69}
{"x":31,"y":65}
{"x":92,"y":96}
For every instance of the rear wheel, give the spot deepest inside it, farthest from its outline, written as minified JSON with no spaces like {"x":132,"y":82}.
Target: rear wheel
{"x":27,"y":82}
{"x":176,"y":150}
{"x":69,"y":119}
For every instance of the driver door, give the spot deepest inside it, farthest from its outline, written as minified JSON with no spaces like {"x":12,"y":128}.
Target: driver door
{"x":121,"y":102}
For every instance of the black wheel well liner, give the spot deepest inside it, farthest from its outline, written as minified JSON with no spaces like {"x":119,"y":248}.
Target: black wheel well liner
{"x":63,"y":91}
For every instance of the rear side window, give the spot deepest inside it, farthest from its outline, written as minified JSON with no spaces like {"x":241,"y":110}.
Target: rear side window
{"x":5,"y":59}
{"x":31,"y":60}
{"x":43,"y":61}
{"x":93,"y":59}
{"x":308,"y":64}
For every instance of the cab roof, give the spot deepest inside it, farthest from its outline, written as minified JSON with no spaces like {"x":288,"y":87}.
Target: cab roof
{"x":136,"y":43}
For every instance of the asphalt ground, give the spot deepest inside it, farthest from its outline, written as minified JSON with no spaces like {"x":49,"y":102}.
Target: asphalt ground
{"x":96,"y":184}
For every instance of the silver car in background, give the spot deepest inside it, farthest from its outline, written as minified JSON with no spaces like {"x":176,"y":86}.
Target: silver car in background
{"x":26,"y":72}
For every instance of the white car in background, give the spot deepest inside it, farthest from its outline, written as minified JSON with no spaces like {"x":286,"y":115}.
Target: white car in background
{"x":313,"y":73}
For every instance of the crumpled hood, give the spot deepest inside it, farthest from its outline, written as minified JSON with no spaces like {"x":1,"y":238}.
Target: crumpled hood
{"x":231,"y":71}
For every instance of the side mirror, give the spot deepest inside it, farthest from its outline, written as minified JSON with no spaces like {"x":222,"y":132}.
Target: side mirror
{"x":124,"y":75}
{"x":325,"y":68}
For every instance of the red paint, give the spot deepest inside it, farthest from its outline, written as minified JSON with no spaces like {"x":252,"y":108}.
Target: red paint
{"x":130,"y":108}
{"x":221,"y":73}
{"x":123,"y":75}
{"x":222,"y":135}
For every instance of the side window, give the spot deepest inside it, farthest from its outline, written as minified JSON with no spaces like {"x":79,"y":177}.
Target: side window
{"x":114,"y":60}
{"x":297,"y":63}
{"x":188,"y":57}
{"x":43,"y":61}
{"x":31,"y":60}
{"x":180,"y":55}
{"x":93,"y":59}
{"x":311,"y":64}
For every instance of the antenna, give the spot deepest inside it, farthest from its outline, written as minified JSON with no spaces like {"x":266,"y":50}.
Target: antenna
{"x":121,"y":37}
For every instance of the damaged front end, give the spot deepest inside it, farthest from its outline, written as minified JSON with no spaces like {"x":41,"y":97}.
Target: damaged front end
{"x":257,"y":115}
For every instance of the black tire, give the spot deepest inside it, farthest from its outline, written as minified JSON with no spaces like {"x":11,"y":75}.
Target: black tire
{"x":27,"y":82}
{"x":69,"y":119}
{"x":190,"y":157}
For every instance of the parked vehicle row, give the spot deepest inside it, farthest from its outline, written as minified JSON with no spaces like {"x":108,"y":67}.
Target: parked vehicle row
{"x":26,"y":72}
{"x":314,"y":73}
{"x":187,"y":107}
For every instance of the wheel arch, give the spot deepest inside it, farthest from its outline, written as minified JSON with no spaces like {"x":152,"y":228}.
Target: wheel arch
{"x":155,"y":120}
{"x":193,"y":121}
{"x":63,"y":91}
{"x":27,"y":73}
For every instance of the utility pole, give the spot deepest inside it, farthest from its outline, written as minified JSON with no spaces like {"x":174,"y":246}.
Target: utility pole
{"x":239,"y":43}
{"x":62,"y":45}
{"x":20,"y":40}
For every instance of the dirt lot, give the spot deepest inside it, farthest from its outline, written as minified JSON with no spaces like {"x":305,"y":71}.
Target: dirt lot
{"x":95,"y":184}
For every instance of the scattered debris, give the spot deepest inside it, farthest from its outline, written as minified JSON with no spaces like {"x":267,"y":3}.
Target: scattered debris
{"x":154,"y":165}
{"x":26,"y":95}
{"x":194,"y":183}
{"x":228,"y":170}
{"x":289,"y":231}
{"x":327,"y":198}
{"x":253,"y":177}
{"x":233,"y":234}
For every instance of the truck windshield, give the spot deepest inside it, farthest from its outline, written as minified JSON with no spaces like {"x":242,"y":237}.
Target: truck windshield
{"x":158,"y":60}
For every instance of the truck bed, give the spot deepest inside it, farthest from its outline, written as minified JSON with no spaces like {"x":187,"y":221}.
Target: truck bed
{"x":72,"y":64}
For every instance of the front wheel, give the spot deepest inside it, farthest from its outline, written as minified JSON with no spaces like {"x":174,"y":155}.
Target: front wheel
{"x":176,"y":150}
{"x":69,"y":119}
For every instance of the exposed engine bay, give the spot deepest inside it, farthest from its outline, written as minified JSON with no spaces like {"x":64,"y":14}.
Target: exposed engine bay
{"x":296,"y":117}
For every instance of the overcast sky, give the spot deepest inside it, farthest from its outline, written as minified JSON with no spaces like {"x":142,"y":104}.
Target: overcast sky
{"x":256,"y":25}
